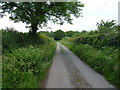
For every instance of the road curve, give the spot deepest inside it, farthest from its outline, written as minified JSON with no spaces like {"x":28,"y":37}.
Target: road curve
{"x":68,"y":71}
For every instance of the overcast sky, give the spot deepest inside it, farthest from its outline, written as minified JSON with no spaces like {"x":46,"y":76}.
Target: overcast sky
{"x":94,"y":11}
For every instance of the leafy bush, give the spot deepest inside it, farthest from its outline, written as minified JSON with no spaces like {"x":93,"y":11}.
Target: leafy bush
{"x":99,"y":40}
{"x":100,"y":52}
{"x":25,"y":65}
{"x":26,"y":60}
{"x":12,"y":40}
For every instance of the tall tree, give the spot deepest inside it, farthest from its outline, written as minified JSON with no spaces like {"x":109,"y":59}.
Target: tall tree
{"x":59,"y":34}
{"x":106,"y":26}
{"x":37,"y":14}
{"x":71,"y":33}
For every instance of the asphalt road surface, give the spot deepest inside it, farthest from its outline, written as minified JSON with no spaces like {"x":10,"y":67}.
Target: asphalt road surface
{"x":68,"y":71}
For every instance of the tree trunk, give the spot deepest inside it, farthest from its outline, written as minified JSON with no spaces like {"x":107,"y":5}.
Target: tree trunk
{"x":33,"y":30}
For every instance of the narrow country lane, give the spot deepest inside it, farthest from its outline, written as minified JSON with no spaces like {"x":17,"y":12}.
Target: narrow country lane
{"x":68,"y":71}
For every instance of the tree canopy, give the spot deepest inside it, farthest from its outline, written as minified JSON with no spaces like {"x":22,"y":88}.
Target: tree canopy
{"x":59,"y":34}
{"x":37,"y":14}
{"x":106,"y":26}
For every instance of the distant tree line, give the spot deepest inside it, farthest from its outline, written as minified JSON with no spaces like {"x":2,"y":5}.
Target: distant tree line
{"x":59,"y":34}
{"x":102,"y":27}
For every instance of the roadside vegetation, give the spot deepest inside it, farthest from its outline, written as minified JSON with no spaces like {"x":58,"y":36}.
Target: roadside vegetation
{"x":27,"y":56}
{"x":99,"y":49}
{"x":25,"y":59}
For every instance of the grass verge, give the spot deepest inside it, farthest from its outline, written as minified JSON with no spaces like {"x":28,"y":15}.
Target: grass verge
{"x":25,"y":63}
{"x":104,"y":61}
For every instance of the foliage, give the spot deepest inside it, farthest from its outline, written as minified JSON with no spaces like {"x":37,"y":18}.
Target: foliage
{"x":100,"y":51}
{"x":12,"y":39}
{"x":59,"y":34}
{"x":84,"y":31}
{"x":106,"y":26}
{"x":39,"y":13}
{"x":100,"y":40}
{"x":25,"y":66}
{"x":71,"y":33}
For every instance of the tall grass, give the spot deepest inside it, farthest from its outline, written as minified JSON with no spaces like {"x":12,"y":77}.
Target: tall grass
{"x":26,"y":59}
{"x":103,"y":59}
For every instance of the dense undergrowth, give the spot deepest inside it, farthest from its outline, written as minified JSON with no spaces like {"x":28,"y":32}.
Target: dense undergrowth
{"x":25,"y":59}
{"x":100,"y":51}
